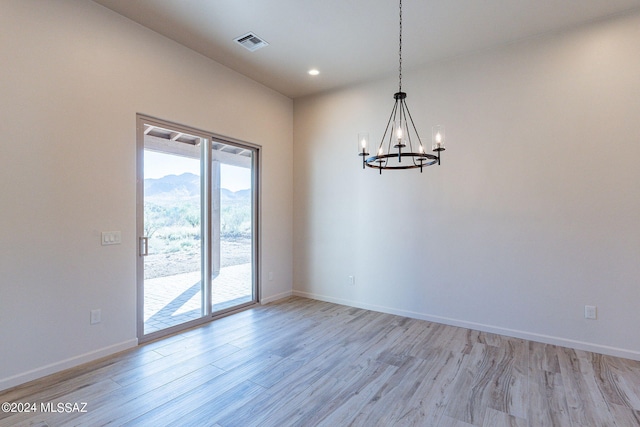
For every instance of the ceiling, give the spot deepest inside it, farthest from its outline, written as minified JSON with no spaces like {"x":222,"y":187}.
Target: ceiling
{"x":350,"y":41}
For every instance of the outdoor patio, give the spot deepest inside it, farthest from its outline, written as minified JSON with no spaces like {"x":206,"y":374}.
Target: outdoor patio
{"x":175,"y":299}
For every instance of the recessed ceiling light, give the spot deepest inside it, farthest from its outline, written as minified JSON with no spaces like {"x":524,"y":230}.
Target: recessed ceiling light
{"x":314,"y":72}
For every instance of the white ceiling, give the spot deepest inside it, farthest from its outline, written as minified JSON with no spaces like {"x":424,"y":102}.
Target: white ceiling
{"x":352,"y":40}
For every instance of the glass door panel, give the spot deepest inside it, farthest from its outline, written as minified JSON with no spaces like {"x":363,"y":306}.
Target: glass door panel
{"x":173,"y":232}
{"x":233,"y":227}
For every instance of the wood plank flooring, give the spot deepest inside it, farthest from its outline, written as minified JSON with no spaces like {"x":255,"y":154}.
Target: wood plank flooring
{"x":301,"y":362}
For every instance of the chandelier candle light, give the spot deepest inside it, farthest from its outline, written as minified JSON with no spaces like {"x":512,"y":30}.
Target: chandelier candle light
{"x":400,"y":145}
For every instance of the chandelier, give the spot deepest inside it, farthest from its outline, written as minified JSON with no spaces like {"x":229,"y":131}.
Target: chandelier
{"x":401,"y":146}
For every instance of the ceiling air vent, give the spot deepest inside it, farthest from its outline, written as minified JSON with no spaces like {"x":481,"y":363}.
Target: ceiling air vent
{"x":251,"y":42}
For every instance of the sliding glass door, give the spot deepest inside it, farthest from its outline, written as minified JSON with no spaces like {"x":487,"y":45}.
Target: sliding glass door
{"x":197,"y":223}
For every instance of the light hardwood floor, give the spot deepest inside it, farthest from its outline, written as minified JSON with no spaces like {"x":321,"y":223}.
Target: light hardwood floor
{"x":306,"y":363}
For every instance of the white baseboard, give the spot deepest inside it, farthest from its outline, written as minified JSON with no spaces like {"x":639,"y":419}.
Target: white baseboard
{"x":6,"y":383}
{"x":531,"y":336}
{"x":276,"y":297}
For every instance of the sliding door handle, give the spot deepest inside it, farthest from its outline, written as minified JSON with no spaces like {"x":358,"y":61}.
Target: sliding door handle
{"x":143,"y":246}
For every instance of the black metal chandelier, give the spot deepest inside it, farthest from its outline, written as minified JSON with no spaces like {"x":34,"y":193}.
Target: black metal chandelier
{"x":401,"y":146}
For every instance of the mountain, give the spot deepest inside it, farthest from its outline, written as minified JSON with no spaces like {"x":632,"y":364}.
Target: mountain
{"x":181,"y":186}
{"x":186,"y":186}
{"x":235,"y":195}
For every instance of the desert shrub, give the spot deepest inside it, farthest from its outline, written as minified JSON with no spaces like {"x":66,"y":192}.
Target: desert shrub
{"x":174,"y":226}
{"x":235,"y":220}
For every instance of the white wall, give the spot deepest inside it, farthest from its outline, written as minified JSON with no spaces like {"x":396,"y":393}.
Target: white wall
{"x":534,"y":213}
{"x":73,"y":77}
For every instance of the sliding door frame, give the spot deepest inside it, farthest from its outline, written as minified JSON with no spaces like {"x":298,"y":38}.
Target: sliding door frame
{"x":206,"y":225}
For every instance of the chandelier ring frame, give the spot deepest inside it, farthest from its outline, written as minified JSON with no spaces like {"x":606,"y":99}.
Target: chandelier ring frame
{"x":420,"y":157}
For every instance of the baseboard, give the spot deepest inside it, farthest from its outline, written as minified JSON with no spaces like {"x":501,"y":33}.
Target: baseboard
{"x":24,"y":377}
{"x":531,"y":336}
{"x":276,"y":297}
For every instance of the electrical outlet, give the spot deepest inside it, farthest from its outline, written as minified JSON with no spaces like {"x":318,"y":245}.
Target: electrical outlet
{"x":590,"y":312}
{"x":270,"y":275}
{"x":96,"y":316}
{"x":352,"y":280}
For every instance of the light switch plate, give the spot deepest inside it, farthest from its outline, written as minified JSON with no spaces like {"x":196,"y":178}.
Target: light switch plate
{"x":111,"y":238}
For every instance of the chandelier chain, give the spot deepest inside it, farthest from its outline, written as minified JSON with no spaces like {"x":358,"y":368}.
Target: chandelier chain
{"x":400,"y":51}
